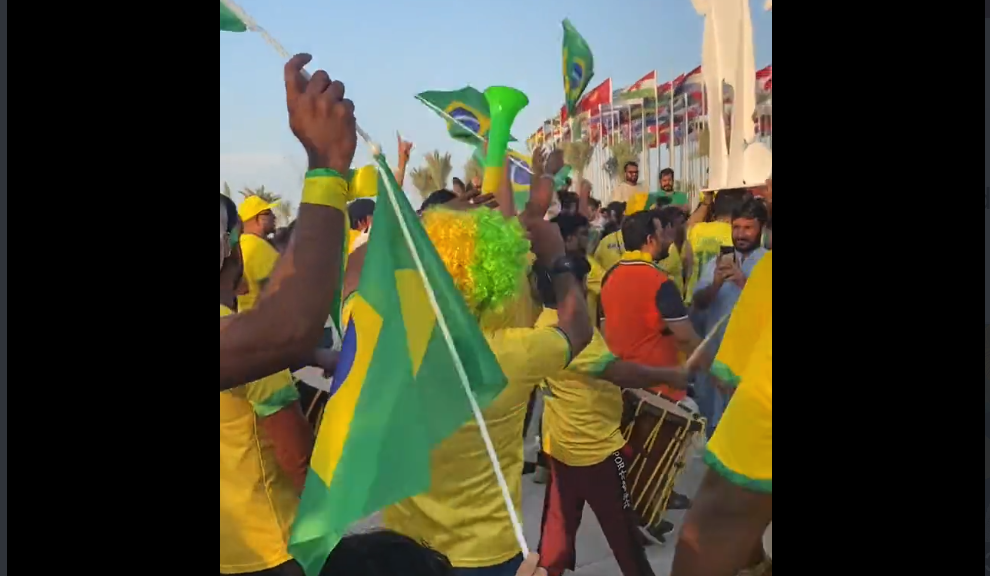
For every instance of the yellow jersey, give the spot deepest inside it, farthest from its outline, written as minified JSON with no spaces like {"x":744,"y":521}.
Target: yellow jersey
{"x":582,"y":413}
{"x":742,"y":448}
{"x":260,"y":258}
{"x":463,"y":516}
{"x":257,"y":500}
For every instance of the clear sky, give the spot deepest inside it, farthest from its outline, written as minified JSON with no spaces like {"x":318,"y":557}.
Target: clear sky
{"x":387,"y":51}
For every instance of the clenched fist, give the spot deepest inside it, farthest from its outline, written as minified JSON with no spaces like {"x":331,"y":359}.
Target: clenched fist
{"x":320,"y":117}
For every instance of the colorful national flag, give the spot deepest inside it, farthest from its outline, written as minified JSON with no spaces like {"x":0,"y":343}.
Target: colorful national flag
{"x":601,"y":95}
{"x":229,"y":22}
{"x":468,"y":107}
{"x":398,"y":391}
{"x":764,"y":80}
{"x":521,"y":174}
{"x":693,"y":82}
{"x":579,"y":66}
{"x":644,"y":89}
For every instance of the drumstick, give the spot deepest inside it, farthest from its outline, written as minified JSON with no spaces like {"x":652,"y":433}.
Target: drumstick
{"x":696,"y":355}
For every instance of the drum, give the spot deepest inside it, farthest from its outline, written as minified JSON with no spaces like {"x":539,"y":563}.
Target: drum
{"x":659,"y":433}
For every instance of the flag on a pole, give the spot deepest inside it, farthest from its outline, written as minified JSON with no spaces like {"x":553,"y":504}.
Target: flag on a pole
{"x":230,"y":22}
{"x":398,"y":389}
{"x":579,"y":66}
{"x":764,"y":80}
{"x":466,"y":112}
{"x":601,"y":95}
{"x":644,"y":89}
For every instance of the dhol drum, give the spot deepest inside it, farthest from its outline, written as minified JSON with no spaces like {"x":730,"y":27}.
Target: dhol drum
{"x":660,"y":435}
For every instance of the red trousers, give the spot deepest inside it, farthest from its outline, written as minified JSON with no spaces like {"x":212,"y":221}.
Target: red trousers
{"x":603,"y":488}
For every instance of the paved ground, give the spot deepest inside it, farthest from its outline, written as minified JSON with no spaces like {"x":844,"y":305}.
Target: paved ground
{"x":594,"y":556}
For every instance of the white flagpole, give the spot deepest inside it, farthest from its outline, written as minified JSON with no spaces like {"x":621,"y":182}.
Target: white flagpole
{"x":253,"y":26}
{"x":461,"y":373}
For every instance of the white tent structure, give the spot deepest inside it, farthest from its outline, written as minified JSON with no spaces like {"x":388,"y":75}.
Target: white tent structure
{"x":728,"y":63}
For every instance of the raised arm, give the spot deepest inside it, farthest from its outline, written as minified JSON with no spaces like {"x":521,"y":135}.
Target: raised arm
{"x":572,"y":306}
{"x":287,"y":323}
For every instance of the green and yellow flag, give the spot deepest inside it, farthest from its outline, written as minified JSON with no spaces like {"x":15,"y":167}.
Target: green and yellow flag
{"x":468,"y":107}
{"x":229,"y":22}
{"x":579,"y":66}
{"x":398,"y":391}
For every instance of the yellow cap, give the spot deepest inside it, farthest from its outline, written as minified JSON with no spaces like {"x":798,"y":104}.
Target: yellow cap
{"x":252,"y":206}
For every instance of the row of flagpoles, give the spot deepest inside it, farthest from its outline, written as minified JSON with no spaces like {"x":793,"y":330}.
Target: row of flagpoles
{"x":649,"y":116}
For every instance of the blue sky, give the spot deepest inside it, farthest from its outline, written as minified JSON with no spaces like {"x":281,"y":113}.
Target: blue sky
{"x":387,"y":51}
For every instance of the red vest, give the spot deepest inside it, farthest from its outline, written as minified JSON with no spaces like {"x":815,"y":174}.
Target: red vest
{"x":634,"y":329}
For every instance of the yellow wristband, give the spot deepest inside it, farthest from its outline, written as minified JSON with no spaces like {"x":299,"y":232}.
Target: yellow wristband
{"x":325,"y":188}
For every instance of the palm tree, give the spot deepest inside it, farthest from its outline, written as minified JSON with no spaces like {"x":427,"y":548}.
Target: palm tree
{"x":622,"y":154}
{"x":434,"y":176}
{"x":285,"y":212}
{"x":440,"y":168}
{"x":423,"y":181}
{"x":260,"y":192}
{"x":577,"y":155}
{"x":473,"y":169}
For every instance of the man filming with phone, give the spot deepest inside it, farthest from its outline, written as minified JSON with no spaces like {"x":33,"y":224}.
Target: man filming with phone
{"x":721,"y":284}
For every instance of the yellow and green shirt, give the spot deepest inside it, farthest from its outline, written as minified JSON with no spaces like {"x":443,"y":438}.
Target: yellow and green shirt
{"x":742,"y":448}
{"x":463,"y":515}
{"x":583,"y":413}
{"x":257,"y":500}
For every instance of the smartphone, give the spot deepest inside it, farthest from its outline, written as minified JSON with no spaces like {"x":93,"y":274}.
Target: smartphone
{"x":727,"y":251}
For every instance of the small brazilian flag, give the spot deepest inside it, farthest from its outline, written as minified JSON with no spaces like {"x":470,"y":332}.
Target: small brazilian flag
{"x":579,"y":66}
{"x":468,"y":107}
{"x":521,"y":177}
{"x":398,"y":391}
{"x":229,"y":22}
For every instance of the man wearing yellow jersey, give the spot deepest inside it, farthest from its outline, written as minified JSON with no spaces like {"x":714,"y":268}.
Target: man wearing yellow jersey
{"x":464,"y":515}
{"x":260,"y":255}
{"x":257,"y":499}
{"x":588,"y":460}
{"x":723,"y":532}
{"x":265,"y":445}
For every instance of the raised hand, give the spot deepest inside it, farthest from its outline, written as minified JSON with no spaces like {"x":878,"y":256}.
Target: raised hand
{"x":542,"y":192}
{"x":320,"y":117}
{"x":405,"y":149}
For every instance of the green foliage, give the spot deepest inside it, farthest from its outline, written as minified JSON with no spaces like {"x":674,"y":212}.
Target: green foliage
{"x":577,"y":155}
{"x":622,"y":153}
{"x":265,"y":195}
